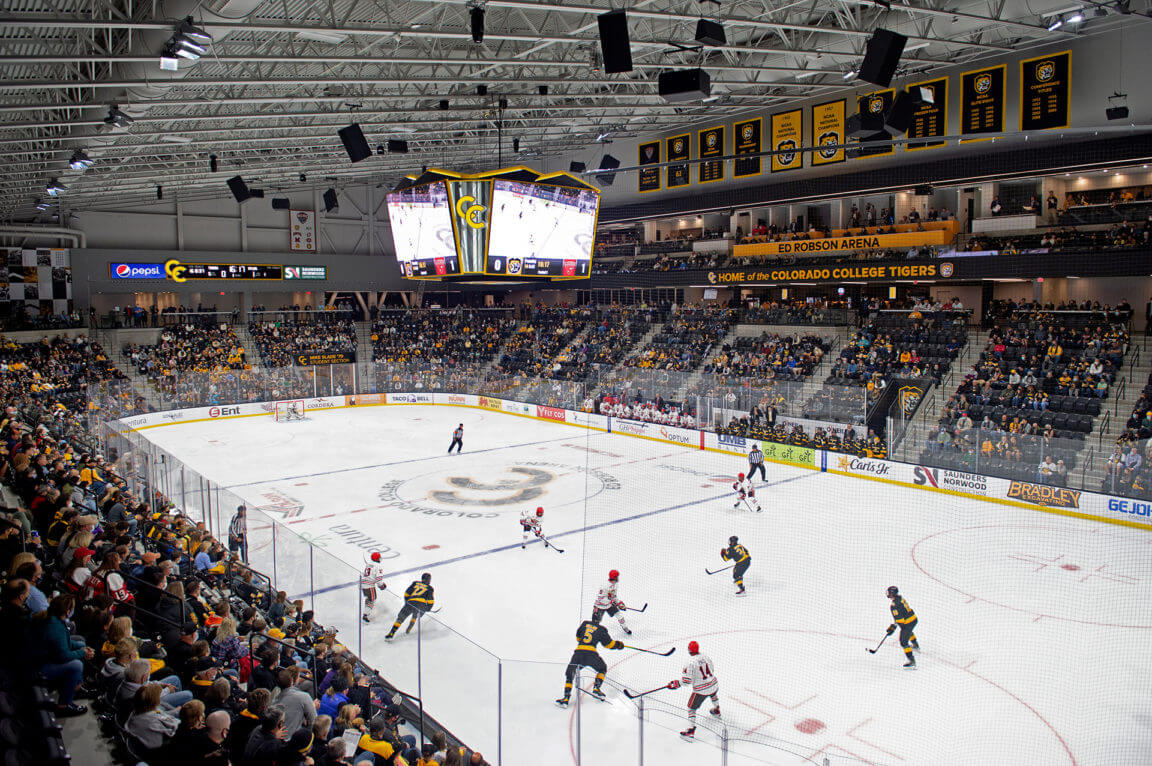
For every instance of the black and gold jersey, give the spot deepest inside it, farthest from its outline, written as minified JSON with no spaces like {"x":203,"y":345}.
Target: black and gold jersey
{"x":590,"y":634}
{"x":736,"y":553}
{"x":901,"y":612}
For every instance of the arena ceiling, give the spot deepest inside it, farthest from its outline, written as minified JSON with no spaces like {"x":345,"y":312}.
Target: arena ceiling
{"x":282,"y":76}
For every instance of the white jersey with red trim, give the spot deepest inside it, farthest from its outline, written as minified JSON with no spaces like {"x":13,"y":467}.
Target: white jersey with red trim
{"x":530,"y":520}
{"x":606,"y":598}
{"x":372,"y":575}
{"x":744,"y":487}
{"x":699,"y":674}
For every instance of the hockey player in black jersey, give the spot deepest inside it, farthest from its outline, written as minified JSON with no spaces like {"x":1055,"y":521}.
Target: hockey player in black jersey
{"x":418,"y":599}
{"x":739,"y":554}
{"x":588,"y":636}
{"x":905,"y":618}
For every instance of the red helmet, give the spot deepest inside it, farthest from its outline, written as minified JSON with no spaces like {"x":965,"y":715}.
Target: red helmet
{"x":614,"y":575}
{"x":741,"y":476}
{"x":376,"y":556}
{"x":540,"y":511}
{"x":693,"y":647}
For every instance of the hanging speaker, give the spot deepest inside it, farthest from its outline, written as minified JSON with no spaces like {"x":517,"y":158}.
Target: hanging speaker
{"x":281,"y":203}
{"x":330,"y":201}
{"x":899,"y":117}
{"x":863,"y":124}
{"x":239,"y":188}
{"x":576,"y":167}
{"x":355,"y":143}
{"x":614,"y":44}
{"x":684,"y":85}
{"x":882,"y":56}
{"x":608,"y":163}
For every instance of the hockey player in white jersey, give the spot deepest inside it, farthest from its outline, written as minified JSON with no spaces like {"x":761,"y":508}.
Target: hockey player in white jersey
{"x":745,"y":490}
{"x":608,"y":602}
{"x":699,"y":675}
{"x":371,"y":578}
{"x":530,"y":522}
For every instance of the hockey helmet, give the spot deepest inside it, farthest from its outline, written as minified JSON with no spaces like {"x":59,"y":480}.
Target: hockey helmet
{"x":740,"y":476}
{"x":693,"y":647}
{"x":892,"y":591}
{"x":540,"y":511}
{"x":426,"y":578}
{"x":733,"y":540}
{"x":614,"y":575}
{"x":376,"y":556}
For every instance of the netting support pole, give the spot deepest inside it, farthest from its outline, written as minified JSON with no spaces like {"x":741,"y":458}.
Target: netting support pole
{"x":499,"y":714}
{"x":576,"y":697}
{"x":275,"y":579}
{"x":640,"y":716}
{"x":723,"y":745}
{"x":311,"y":579}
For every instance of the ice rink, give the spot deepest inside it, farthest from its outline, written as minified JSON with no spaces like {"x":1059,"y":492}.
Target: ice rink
{"x":1035,"y":627}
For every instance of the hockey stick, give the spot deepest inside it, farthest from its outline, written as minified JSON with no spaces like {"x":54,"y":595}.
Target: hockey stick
{"x":634,"y":609}
{"x":630,"y":695}
{"x":549,"y":544}
{"x":649,"y":651}
{"x":873,"y":651}
{"x":749,"y":506}
{"x":718,"y":571}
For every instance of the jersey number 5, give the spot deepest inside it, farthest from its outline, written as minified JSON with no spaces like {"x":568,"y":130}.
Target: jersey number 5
{"x":589,"y":635}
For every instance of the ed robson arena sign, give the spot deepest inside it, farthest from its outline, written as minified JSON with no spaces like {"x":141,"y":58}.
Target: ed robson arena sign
{"x":943,"y":270}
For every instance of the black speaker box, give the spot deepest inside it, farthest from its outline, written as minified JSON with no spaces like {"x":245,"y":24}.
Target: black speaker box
{"x":577,"y":167}
{"x":397,"y":147}
{"x":710,"y":33}
{"x":608,"y":163}
{"x":923,"y":190}
{"x":685,"y":85}
{"x":239,"y":188}
{"x":614,"y":43}
{"x":355,"y":143}
{"x":281,"y":203}
{"x":330,"y":201}
{"x":899,"y":117}
{"x":256,"y":193}
{"x":882,"y":56}
{"x":861,"y":125}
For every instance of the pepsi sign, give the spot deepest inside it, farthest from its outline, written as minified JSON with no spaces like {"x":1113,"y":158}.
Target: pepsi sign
{"x":137,"y":270}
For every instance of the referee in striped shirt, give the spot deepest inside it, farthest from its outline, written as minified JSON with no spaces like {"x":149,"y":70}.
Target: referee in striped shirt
{"x":756,"y":461}
{"x":238,"y":533}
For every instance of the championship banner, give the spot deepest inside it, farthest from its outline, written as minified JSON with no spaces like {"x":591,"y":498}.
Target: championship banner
{"x":877,"y":103}
{"x":929,"y":120}
{"x":711,"y":145}
{"x":1044,"y":92}
{"x":332,"y":357}
{"x":748,"y":137}
{"x":648,"y":179}
{"x":982,"y":101}
{"x":828,"y":131}
{"x":678,"y":149}
{"x":835,"y":244}
{"x":302,"y":224}
{"x":928,"y":270}
{"x":787,"y":136}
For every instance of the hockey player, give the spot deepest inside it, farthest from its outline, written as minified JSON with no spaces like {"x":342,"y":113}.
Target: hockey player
{"x":588,"y":635}
{"x":606,"y":601}
{"x":738,"y":553}
{"x":756,"y":463}
{"x":744,"y":490}
{"x":371,"y":578}
{"x":699,"y":674}
{"x":530,"y":522}
{"x":906,"y":619}
{"x":457,"y":440}
{"x":418,"y":599}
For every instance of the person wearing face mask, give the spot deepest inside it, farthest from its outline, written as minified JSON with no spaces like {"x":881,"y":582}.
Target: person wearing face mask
{"x":60,"y":655}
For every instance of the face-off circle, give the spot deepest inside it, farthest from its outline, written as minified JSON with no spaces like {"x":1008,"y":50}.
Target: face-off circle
{"x":1075,"y":573}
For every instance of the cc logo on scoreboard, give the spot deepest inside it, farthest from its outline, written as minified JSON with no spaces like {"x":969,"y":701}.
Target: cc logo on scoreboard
{"x":983,"y":83}
{"x":472,"y":213}
{"x":175,"y":271}
{"x":1045,"y":71}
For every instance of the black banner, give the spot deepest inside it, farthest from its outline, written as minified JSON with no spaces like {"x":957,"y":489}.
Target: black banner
{"x":648,"y":179}
{"x":1044,"y":92}
{"x":748,"y":137}
{"x":711,"y":145}
{"x":982,"y":101}
{"x":929,"y":120}
{"x":332,"y":357}
{"x":877,"y":103}
{"x":679,"y":148}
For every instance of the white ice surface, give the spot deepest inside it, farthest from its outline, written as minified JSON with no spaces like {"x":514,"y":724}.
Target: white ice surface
{"x":1035,"y":627}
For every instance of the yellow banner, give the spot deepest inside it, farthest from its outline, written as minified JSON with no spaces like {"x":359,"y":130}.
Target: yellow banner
{"x":787,"y":137}
{"x":834,"y":244}
{"x":828,"y":130}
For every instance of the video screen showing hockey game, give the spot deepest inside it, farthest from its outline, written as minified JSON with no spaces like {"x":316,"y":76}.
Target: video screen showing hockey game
{"x":559,"y":588}
{"x":421,"y":221}
{"x":541,"y":231}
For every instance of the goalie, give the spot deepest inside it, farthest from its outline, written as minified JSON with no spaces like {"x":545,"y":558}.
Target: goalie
{"x":745,"y":493}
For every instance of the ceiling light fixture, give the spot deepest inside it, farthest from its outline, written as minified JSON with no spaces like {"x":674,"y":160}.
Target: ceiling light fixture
{"x":850,"y":74}
{"x":80,"y":160}
{"x":117,"y":118}
{"x":42,"y":204}
{"x":1055,"y":24}
{"x":55,"y":188}
{"x":1074,"y":18}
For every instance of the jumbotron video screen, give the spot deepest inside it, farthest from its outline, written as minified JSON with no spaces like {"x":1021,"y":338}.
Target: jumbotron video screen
{"x":422,"y":231}
{"x":538,"y":230}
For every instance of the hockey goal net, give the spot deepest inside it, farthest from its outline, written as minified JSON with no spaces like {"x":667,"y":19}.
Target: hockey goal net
{"x":292,"y":409}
